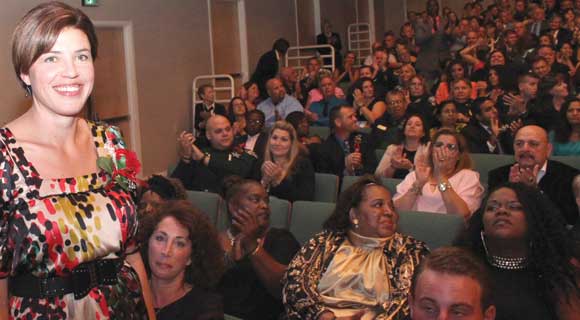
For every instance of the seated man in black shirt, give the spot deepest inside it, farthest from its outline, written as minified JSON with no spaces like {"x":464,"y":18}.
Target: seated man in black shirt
{"x":484,"y":135}
{"x":345,"y":152}
{"x":204,"y":169}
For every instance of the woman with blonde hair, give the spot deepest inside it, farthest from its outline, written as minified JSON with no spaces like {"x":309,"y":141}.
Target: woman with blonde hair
{"x":447,"y":184}
{"x":286,"y":172}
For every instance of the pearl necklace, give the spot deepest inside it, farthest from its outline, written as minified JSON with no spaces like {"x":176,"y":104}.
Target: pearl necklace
{"x":508,"y":263}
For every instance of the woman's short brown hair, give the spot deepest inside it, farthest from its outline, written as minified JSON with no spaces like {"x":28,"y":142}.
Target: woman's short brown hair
{"x":38,"y":30}
{"x":207,"y":264}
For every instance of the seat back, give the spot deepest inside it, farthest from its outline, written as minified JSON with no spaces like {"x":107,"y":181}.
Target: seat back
{"x":572,"y":161}
{"x":320,"y":131}
{"x":207,"y":202}
{"x":390,"y":183}
{"x":325,"y":187}
{"x":279,"y":214}
{"x":435,"y":229}
{"x":484,"y":163}
{"x":307,"y":218}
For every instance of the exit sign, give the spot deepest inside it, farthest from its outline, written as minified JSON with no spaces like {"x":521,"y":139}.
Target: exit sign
{"x":90,"y":3}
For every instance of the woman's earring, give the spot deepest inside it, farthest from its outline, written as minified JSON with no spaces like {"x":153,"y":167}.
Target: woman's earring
{"x":355,"y":222}
{"x":28,"y":90}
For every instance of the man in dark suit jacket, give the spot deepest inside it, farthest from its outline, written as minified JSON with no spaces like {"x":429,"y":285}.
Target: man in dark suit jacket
{"x":483,"y":134}
{"x":267,"y":67}
{"x":206,"y":108}
{"x":532,"y":167}
{"x":559,"y":35}
{"x":345,"y":152}
{"x":255,"y":139}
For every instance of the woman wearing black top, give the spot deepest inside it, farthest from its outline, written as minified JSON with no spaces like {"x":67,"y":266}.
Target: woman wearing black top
{"x":256,"y":255}
{"x":286,"y":172}
{"x":521,"y":235}
{"x":184,"y":260}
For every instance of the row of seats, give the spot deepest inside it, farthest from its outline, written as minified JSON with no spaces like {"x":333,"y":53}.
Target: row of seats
{"x":305,"y":218}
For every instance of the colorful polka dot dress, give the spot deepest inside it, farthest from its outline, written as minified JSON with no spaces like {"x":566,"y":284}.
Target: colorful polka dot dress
{"x":50,"y":226}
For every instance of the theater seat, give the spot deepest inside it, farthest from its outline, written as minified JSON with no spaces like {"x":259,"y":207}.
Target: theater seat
{"x":207,"y":202}
{"x":484,"y":163}
{"x":320,"y":131}
{"x":435,"y":229}
{"x":279,"y":214}
{"x":572,"y":161}
{"x":390,"y":183}
{"x":325,"y":187}
{"x":307,"y":218}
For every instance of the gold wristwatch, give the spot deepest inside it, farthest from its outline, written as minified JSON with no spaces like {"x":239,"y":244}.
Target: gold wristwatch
{"x":444,"y":186}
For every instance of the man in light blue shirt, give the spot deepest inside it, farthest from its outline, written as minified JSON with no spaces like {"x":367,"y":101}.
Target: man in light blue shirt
{"x":321,"y":109}
{"x":279,"y":104}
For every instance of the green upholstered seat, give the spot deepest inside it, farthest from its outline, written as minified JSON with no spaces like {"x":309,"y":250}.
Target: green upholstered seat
{"x":325,"y":187}
{"x":435,"y":229}
{"x":307,"y":218}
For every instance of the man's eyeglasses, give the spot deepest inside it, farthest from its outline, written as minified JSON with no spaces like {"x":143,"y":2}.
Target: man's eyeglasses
{"x":255,"y":121}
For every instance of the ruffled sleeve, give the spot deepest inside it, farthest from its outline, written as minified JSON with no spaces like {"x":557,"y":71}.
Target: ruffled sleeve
{"x":7,"y":187}
{"x":109,"y":145}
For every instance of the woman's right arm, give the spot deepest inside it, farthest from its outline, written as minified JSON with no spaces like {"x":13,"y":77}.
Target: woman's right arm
{"x":384,"y":169}
{"x":409,"y":190}
{"x":4,"y":299}
{"x":300,"y":294}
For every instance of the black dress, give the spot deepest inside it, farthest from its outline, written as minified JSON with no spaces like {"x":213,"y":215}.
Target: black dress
{"x":299,"y":185}
{"x":243,"y":294}
{"x":197,"y":304}
{"x":517,"y":296}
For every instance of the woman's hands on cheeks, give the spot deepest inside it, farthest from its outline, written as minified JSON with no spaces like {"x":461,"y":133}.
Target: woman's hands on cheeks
{"x":249,"y":232}
{"x":443,"y":163}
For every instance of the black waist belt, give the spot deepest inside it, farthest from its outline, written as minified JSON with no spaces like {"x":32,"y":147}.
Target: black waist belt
{"x":80,"y":281}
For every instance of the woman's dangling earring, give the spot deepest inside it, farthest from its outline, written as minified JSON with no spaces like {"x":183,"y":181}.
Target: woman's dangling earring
{"x":483,"y":242}
{"x":28,"y":90}
{"x":355,"y":222}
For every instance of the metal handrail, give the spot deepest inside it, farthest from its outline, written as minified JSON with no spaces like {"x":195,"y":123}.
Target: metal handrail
{"x":355,"y":32}
{"x":300,"y":57}
{"x":213,"y":78}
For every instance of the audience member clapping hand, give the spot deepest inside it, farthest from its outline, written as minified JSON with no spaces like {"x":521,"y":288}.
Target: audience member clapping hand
{"x":524,"y":175}
{"x":270,"y":173}
{"x":188,"y":149}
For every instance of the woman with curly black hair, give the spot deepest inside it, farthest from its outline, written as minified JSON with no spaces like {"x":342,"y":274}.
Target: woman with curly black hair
{"x":184,"y":261}
{"x":521,"y":235}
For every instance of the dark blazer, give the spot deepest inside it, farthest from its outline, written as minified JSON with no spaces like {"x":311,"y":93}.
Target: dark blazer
{"x":299,"y":185}
{"x":544,"y":26}
{"x":266,"y":69}
{"x":223,"y":163}
{"x":556,"y":184}
{"x":477,"y":138}
{"x":330,"y":155}
{"x":218,"y":109}
{"x":564,"y":35}
{"x":259,"y":147}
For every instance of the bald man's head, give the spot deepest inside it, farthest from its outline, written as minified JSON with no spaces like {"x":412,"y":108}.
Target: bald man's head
{"x":531,"y":146}
{"x":219,"y":132}
{"x":275,"y":90}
